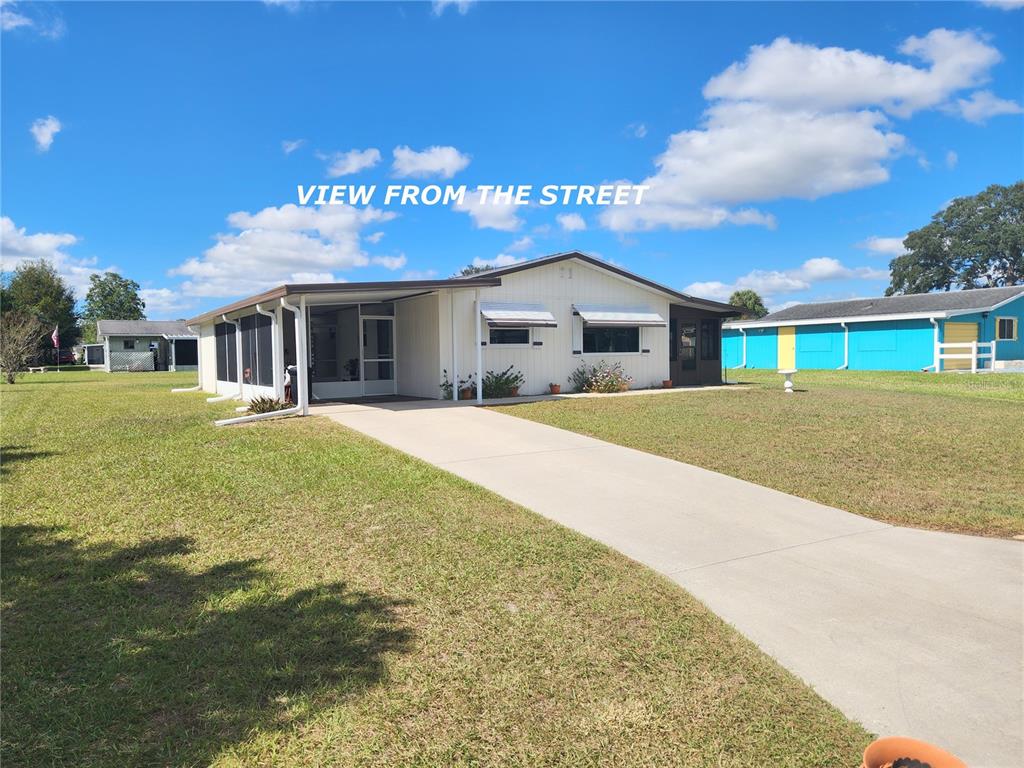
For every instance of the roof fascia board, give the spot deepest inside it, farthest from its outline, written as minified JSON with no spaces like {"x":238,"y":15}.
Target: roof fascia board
{"x":853,"y":319}
{"x":311,"y":289}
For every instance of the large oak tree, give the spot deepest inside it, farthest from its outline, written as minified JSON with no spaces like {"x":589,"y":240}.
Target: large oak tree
{"x":974,"y":242}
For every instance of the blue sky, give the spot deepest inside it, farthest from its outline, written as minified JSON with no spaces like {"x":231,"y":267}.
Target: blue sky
{"x":789,"y":147}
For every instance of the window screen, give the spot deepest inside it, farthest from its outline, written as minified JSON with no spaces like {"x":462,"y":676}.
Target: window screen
{"x":611,"y":340}
{"x":509,"y":336}
{"x":709,"y":342}
{"x":1006,"y":329}
{"x":186,"y":352}
{"x":227,"y":356}
{"x":264,"y":351}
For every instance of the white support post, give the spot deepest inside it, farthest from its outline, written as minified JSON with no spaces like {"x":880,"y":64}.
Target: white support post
{"x":277,"y":373}
{"x":937,"y":363}
{"x":974,"y":357}
{"x":455,"y":345}
{"x":479,"y":349}
{"x":301,"y":383}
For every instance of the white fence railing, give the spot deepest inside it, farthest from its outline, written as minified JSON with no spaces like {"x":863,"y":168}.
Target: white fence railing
{"x":972,"y":351}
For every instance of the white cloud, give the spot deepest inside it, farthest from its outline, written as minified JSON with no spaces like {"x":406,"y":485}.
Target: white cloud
{"x":490,"y":215}
{"x":799,"y":76}
{"x":438,"y":7}
{"x":314,"y":277}
{"x":389,"y":262}
{"x":292,"y":6}
{"x":166,"y":303}
{"x":798,"y":121}
{"x":419,"y":274}
{"x":524,"y":243}
{"x":275,"y":245}
{"x":1006,"y":5}
{"x":887,"y":246}
{"x":444,"y":162}
{"x":43,"y":130}
{"x":290,"y":145}
{"x":31,"y":17}
{"x":11,"y":18}
{"x":501,"y":260}
{"x":571,"y":222}
{"x":18,"y":247}
{"x":353,"y":161}
{"x":769,"y":283}
{"x":952,"y":159}
{"x":375,"y":238}
{"x":981,"y":105}
{"x":636,"y":130}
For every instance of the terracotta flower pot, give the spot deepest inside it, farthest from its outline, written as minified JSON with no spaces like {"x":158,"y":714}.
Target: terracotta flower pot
{"x":466,"y":394}
{"x":885,"y":751}
{"x":515,"y":392}
{"x":666,"y":384}
{"x":556,"y":389}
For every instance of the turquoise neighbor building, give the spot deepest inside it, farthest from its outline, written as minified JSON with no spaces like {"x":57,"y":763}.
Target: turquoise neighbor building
{"x":969,"y":330}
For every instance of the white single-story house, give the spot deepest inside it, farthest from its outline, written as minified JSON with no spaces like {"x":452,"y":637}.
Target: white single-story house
{"x":143,"y":345}
{"x":545,"y":317}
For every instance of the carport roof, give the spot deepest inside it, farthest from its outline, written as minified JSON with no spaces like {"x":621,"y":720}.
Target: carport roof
{"x":142,"y":328}
{"x":371,"y":291}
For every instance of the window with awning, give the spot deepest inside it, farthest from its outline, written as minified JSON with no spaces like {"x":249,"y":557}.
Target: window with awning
{"x":614,"y":317}
{"x":506,"y":315}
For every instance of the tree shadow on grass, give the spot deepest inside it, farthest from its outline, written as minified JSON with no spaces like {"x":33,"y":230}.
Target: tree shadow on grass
{"x":124,"y":656}
{"x":10,"y":454}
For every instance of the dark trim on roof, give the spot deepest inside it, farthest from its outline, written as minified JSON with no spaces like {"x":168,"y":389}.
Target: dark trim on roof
{"x":416,"y":287}
{"x":491,"y":277}
{"x":716,"y":306}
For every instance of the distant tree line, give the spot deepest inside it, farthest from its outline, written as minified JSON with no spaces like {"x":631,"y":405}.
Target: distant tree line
{"x":35,"y":300}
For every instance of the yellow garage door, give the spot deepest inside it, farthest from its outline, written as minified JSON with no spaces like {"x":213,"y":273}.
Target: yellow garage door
{"x":787,"y":347}
{"x":958,"y":332}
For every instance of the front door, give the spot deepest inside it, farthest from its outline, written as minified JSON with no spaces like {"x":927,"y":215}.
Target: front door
{"x":961,"y":333}
{"x":379,"y":356}
{"x":683,"y":351}
{"x":787,"y":348}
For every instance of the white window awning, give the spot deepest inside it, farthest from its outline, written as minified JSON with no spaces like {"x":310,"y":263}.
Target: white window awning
{"x":501,"y":315}
{"x":618,"y":316}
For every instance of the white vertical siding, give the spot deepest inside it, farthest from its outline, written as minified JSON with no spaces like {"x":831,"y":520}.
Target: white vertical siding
{"x":556,"y":286}
{"x":208,"y":353}
{"x":417,"y":341}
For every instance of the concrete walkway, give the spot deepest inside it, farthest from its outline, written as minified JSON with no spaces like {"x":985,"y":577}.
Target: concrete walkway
{"x":910,"y":632}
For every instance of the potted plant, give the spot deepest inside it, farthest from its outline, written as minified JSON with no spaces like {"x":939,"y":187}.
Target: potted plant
{"x":666,"y":384}
{"x":900,"y":751}
{"x":556,"y":389}
{"x":467,"y":388}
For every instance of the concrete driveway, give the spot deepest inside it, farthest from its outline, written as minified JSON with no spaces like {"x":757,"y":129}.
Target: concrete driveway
{"x":910,"y":632}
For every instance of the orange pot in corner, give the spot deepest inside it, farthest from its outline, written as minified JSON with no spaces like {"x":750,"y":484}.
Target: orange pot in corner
{"x":885,"y":751}
{"x":666,"y":384}
{"x":556,"y":389}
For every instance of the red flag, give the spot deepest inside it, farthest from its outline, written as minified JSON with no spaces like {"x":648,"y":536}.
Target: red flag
{"x":55,"y":336}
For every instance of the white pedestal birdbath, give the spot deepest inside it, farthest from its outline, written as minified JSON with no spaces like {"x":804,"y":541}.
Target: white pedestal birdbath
{"x":788,"y":379}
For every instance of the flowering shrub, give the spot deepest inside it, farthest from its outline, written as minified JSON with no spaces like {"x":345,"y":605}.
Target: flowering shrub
{"x":503,"y":384}
{"x":602,"y":377}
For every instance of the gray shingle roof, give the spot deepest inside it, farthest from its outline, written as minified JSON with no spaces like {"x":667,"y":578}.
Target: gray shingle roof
{"x":951,"y":301}
{"x":142,"y":328}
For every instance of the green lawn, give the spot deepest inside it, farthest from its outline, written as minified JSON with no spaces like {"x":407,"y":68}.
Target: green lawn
{"x":293,"y":594}
{"x":915,"y":449}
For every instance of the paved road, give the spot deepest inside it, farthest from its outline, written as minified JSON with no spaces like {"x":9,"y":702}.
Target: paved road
{"x":910,"y":632}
